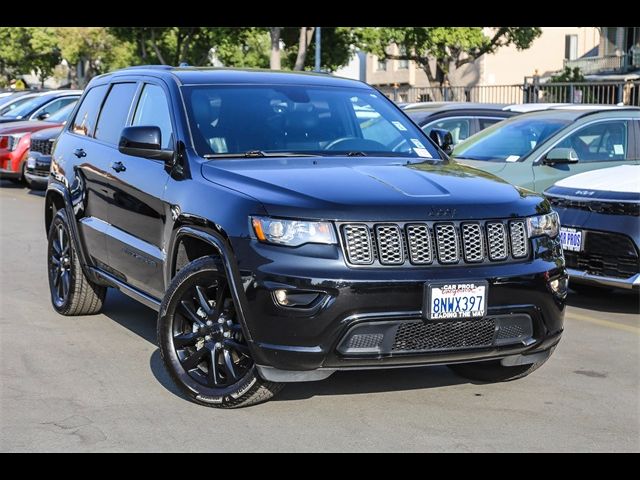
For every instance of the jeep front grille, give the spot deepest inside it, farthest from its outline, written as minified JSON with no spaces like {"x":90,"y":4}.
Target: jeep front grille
{"x":442,"y":243}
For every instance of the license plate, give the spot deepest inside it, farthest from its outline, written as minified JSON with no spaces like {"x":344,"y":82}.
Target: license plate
{"x":571,"y":239}
{"x":31,"y":162}
{"x":456,"y":300}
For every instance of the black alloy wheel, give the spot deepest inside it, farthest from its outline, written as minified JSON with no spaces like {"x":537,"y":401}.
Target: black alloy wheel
{"x":202,"y":342}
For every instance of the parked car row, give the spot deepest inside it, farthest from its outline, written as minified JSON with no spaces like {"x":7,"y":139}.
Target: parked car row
{"x":586,"y":160}
{"x":21,"y":116}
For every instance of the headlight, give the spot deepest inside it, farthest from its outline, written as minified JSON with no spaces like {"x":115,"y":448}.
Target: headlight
{"x":10,"y":142}
{"x":292,"y":232}
{"x":548,"y":224}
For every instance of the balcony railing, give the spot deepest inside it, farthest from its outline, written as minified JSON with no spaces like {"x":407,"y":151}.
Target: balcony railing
{"x":609,"y":63}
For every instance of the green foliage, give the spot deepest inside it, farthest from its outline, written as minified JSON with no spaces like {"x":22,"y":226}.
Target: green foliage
{"x":23,"y":49}
{"x":336,"y":43}
{"x":568,"y":75}
{"x":243,"y":47}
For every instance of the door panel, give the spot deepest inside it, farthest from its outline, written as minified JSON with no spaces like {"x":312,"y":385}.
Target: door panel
{"x":138,"y":213}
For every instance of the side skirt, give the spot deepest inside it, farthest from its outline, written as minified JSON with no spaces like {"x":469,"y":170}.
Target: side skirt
{"x":128,"y":290}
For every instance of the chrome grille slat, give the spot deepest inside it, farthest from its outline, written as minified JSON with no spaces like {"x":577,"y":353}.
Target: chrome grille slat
{"x":497,"y":241}
{"x":358,"y":244}
{"x":390,"y":247}
{"x":519,"y":240}
{"x":447,"y":243}
{"x":419,"y":243}
{"x":397,"y":244}
{"x":472,"y":242}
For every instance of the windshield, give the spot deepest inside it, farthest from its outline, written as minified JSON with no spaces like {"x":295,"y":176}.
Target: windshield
{"x":25,"y":108}
{"x":258,"y":120}
{"x":61,"y":115}
{"x":508,"y":141}
{"x":13,"y":105}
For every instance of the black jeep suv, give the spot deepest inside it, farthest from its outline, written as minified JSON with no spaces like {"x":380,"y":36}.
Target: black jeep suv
{"x":286,"y":226}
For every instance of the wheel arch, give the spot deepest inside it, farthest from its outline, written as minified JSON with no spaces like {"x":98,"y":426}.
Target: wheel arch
{"x":198,"y":239}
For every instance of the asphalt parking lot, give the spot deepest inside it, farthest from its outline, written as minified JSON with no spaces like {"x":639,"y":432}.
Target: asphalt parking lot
{"x":97,"y":384}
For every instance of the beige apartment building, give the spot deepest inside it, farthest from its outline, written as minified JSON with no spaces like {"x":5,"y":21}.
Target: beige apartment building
{"x":507,"y":66}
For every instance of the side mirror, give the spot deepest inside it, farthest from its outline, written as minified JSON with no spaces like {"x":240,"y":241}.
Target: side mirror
{"x":43,"y":116}
{"x":145,"y":142}
{"x":442,"y":138}
{"x":561,"y":156}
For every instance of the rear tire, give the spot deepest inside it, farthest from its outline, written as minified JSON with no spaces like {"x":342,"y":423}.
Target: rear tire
{"x":493,"y":371}
{"x":72,"y":293}
{"x":202,"y":343}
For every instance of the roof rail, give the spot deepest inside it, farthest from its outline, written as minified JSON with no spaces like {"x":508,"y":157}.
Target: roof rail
{"x":151,"y":67}
{"x":600,"y":110}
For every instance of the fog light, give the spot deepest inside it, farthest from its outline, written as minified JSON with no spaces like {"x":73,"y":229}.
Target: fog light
{"x":281,"y":297}
{"x":559,"y":286}
{"x":295,"y":298}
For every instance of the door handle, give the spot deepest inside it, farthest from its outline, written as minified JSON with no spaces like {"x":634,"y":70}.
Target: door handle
{"x":79,"y":152}
{"x":118,"y":166}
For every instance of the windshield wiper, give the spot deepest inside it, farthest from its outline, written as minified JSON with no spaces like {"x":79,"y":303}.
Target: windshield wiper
{"x":259,"y":153}
{"x":356,"y":154}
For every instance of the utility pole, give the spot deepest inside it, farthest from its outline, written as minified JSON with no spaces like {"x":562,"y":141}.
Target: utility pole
{"x":318,"y":48}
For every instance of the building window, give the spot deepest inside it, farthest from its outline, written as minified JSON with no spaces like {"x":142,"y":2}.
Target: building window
{"x":381,"y":64}
{"x":402,"y":64}
{"x":571,"y":47}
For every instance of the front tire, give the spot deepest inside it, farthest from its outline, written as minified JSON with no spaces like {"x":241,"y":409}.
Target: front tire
{"x":202,"y":343}
{"x":72,"y":293}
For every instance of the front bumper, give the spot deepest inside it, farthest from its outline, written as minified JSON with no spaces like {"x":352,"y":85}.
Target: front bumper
{"x":585,"y":278}
{"x":5,"y":173}
{"x":301,"y":344}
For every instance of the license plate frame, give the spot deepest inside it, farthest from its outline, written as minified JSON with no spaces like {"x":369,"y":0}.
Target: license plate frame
{"x":429,"y":292}
{"x":565,"y":233}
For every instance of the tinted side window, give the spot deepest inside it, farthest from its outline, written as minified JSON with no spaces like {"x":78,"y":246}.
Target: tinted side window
{"x":599,"y":142}
{"x":84,"y":122}
{"x":54,"y":106}
{"x":153,"y":110}
{"x":114,"y":112}
{"x":487,"y":122}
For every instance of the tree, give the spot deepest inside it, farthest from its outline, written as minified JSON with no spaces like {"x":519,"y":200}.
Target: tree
{"x":243,"y":47}
{"x":14,"y":52}
{"x":27,"y":49}
{"x":336,"y":51}
{"x":96,"y":48}
{"x":45,"y":52}
{"x":440,"y":51}
{"x":275,"y":61}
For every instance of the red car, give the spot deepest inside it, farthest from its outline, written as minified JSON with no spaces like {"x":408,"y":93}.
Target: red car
{"x":15,"y":140}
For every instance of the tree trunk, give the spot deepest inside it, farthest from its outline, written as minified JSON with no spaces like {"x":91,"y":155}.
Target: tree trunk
{"x":306,"y":34}
{"x":274,"y":62}
{"x":156,"y":49}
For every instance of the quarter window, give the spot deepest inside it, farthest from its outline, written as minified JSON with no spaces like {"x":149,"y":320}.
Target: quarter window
{"x":153,"y":110}
{"x":84,"y":122}
{"x":113,"y":116}
{"x":603,"y":141}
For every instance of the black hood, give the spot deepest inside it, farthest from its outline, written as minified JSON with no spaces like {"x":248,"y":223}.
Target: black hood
{"x":348,"y":188}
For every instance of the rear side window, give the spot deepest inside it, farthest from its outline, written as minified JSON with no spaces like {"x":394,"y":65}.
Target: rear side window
{"x":459,"y":127}
{"x":84,"y":122}
{"x":487,"y":122}
{"x":113,"y":116}
{"x":153,"y":110}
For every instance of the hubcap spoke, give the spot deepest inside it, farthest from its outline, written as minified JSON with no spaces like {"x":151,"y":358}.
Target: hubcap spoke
{"x":65,"y":283}
{"x":237,"y":346}
{"x":203,"y":300}
{"x":195,"y":359}
{"x":61,"y":237}
{"x":56,"y":248}
{"x":229,"y":363}
{"x":213,"y":367}
{"x":55,"y":260}
{"x":190,"y":314}
{"x":185,"y":340}
{"x":220,"y":296}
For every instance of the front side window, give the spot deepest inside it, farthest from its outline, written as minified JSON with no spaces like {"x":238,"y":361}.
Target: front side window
{"x":459,"y":128}
{"x":509,"y":141}
{"x":153,"y":110}
{"x":84,"y":122}
{"x":115,"y":111}
{"x":599,"y":142}
{"x":54,"y":106}
{"x":234,"y":120}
